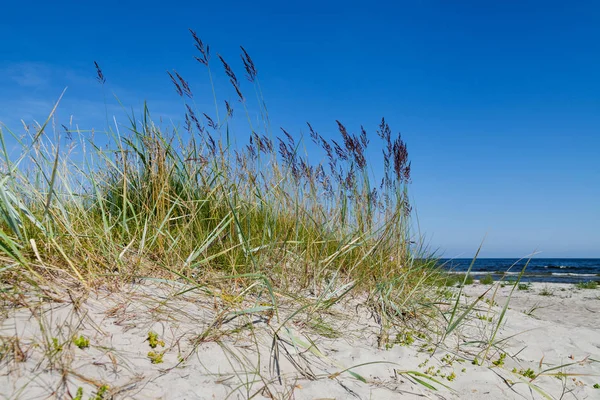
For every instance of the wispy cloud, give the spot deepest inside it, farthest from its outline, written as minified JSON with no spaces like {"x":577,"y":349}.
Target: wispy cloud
{"x":28,"y":108}
{"x":27,"y":74}
{"x":40,"y":75}
{"x":30,"y":90}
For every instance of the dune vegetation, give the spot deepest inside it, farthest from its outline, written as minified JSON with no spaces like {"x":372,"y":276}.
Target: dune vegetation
{"x":194,"y":204}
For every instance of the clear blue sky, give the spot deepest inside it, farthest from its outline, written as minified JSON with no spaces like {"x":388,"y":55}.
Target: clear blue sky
{"x":498,"y":101}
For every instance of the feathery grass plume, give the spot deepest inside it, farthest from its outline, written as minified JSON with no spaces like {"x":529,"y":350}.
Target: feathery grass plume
{"x":262,"y":143}
{"x":363,"y":137}
{"x":345,"y":136}
{"x":314,"y":136}
{"x":350,"y":180}
{"x":176,"y":84}
{"x":184,"y":84}
{"x":288,"y":154}
{"x":239,"y":93}
{"x":229,"y":109}
{"x":188,"y":123}
{"x":401,"y":163}
{"x":306,"y":168}
{"x":228,"y":71}
{"x":192,"y":115}
{"x":210,"y":141}
{"x":354,"y":146}
{"x":341,"y":153}
{"x":68,"y":132}
{"x":204,"y":50}
{"x":211,"y":123}
{"x":232,"y":78}
{"x":248,"y":65}
{"x":332,"y":161}
{"x":99,"y":75}
{"x":204,"y":60}
{"x":257,"y":141}
{"x":251,"y":148}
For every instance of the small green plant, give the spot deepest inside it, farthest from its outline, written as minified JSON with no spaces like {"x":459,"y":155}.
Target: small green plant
{"x":82,"y":342}
{"x":500,"y":361}
{"x":450,"y":280}
{"x":527,"y":373}
{"x":475,"y":361}
{"x":155,"y":358}
{"x":451,"y":377}
{"x":100,"y":394}
{"x":596,"y":386}
{"x":404,"y":339}
{"x":490,"y":302}
{"x":560,"y":375}
{"x":508,"y":282}
{"x":153,"y":340}
{"x":79,"y":394}
{"x":532,"y":309}
{"x":459,"y":279}
{"x":487,"y":280}
{"x":587,"y":285}
{"x":324,"y":329}
{"x":448,"y":359}
{"x":56,"y":347}
{"x":524,"y":286}
{"x":484,"y":317}
{"x":431,"y":371}
{"x":468,"y":280}
{"x":546,"y":292}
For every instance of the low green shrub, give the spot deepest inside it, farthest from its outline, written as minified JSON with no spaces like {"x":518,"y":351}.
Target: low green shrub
{"x":587,"y":285}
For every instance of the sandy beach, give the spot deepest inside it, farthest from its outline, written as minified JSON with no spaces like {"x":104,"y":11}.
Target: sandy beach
{"x":204,"y":349}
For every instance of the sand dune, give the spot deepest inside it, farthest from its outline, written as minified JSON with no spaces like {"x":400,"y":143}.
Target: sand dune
{"x":210,"y":353}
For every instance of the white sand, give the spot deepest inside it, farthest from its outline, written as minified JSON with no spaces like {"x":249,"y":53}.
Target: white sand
{"x":563,"y":329}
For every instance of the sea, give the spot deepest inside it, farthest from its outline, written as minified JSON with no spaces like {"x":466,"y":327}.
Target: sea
{"x":558,"y":270}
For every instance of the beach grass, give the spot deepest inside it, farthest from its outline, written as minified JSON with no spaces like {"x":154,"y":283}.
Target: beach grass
{"x":244,"y":216}
{"x":546,"y":292}
{"x":187,"y":203}
{"x":587,"y":285}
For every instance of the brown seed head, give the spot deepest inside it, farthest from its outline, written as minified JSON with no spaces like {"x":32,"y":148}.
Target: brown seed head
{"x":184,"y":85}
{"x":248,"y":65}
{"x":177,"y":87}
{"x":99,"y":75}
{"x":204,"y":50}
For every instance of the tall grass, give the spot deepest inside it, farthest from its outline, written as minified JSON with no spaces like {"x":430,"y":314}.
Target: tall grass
{"x":188,"y":203}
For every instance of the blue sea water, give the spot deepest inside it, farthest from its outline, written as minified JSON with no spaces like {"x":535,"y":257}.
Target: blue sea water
{"x":559,"y":270}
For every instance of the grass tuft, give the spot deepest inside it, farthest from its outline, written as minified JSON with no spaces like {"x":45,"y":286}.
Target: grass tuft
{"x":587,"y":285}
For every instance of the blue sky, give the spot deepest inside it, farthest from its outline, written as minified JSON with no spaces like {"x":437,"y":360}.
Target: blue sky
{"x":499,"y":102}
